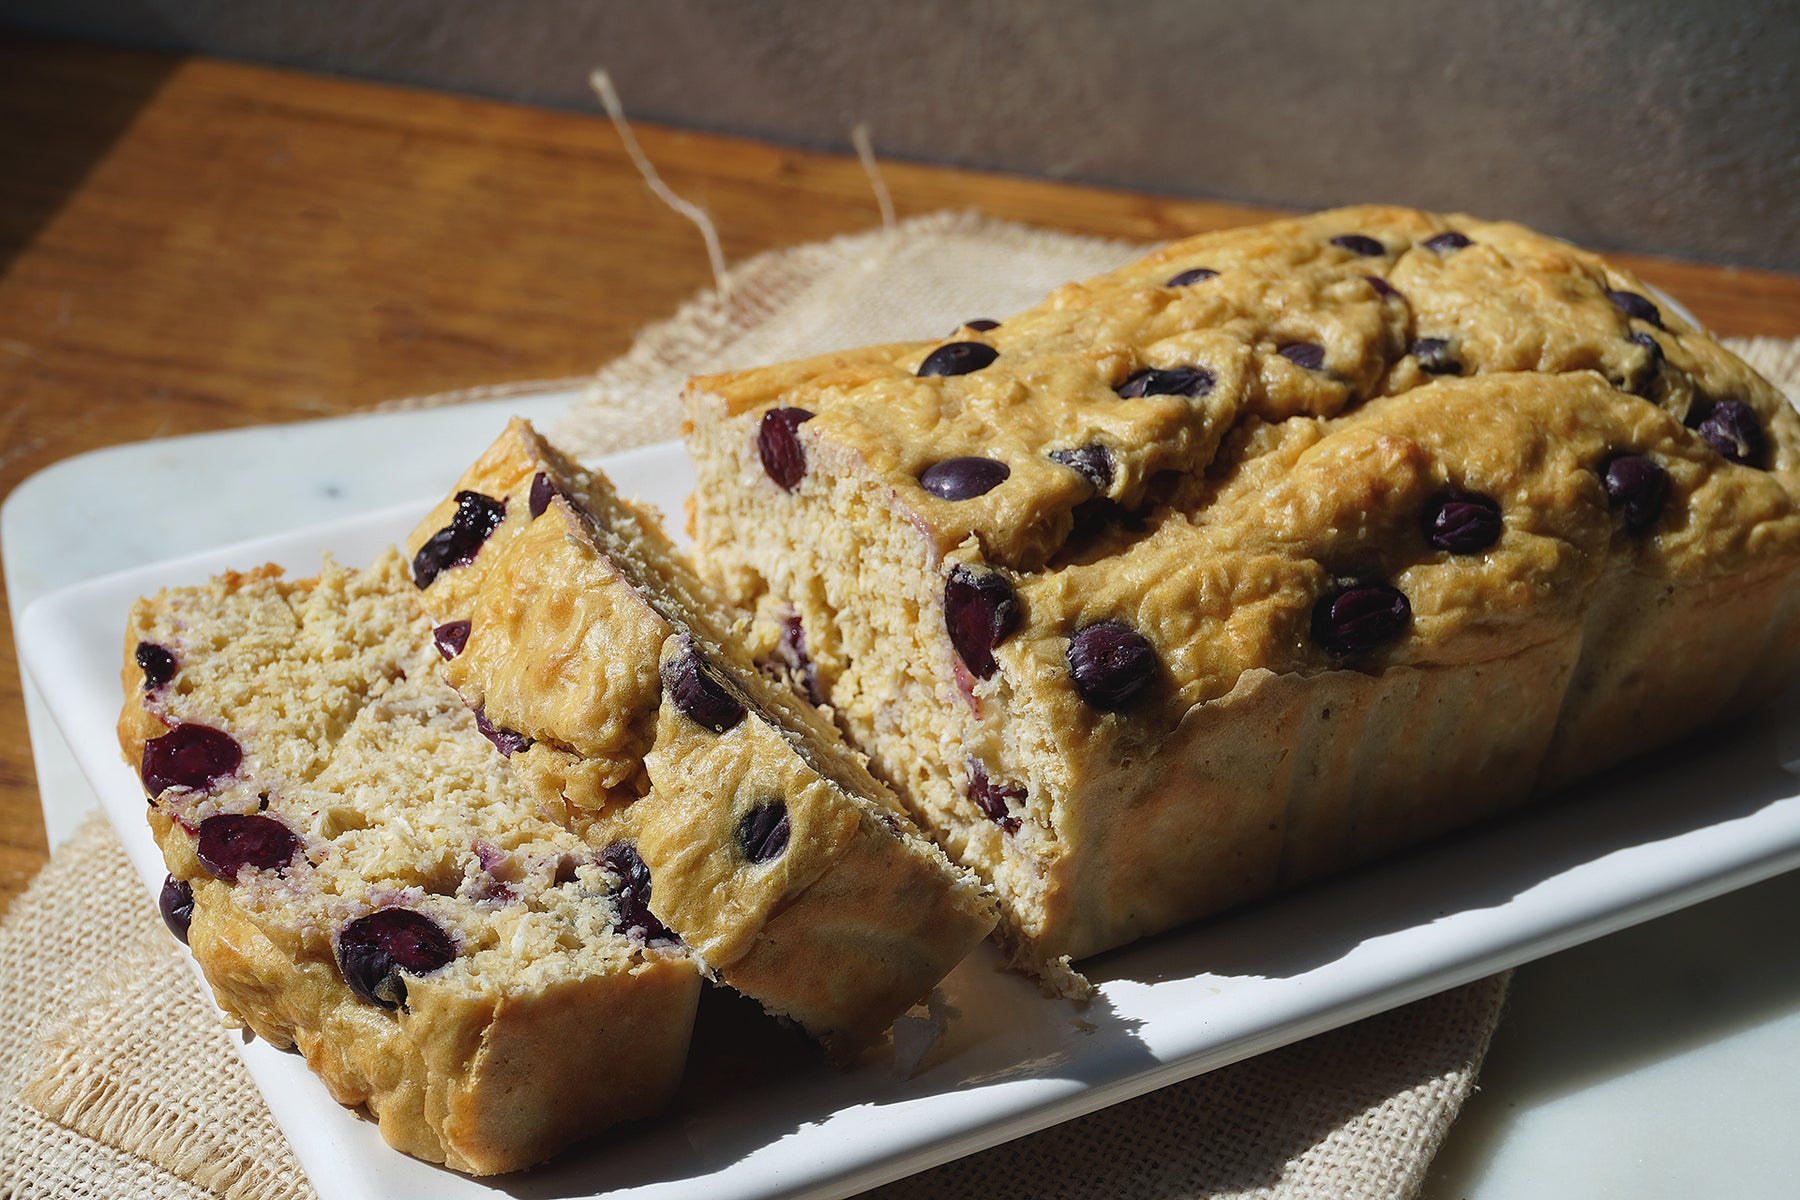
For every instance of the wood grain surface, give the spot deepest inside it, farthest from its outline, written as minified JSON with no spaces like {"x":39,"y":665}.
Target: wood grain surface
{"x":191,"y":245}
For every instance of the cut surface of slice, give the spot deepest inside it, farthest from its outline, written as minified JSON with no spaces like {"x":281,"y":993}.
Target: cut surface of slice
{"x":364,"y":878}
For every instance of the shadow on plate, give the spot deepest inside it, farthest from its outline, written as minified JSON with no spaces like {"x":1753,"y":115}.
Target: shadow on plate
{"x":751,"y":1083}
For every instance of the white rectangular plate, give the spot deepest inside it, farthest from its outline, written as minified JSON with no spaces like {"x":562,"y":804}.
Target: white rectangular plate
{"x":761,"y":1119}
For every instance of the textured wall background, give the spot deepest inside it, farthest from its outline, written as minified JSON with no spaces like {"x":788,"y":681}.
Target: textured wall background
{"x":1668,"y":126}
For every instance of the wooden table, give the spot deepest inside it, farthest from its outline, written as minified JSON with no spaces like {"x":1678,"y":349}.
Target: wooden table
{"x":191,"y":245}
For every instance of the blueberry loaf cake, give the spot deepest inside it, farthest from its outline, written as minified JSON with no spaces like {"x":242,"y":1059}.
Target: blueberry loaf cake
{"x":620,"y":689}
{"x":1274,"y":551}
{"x":362,"y":877}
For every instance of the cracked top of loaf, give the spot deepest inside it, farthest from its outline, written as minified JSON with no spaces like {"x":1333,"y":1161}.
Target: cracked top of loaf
{"x":1313,"y":317}
{"x":1212,"y":443}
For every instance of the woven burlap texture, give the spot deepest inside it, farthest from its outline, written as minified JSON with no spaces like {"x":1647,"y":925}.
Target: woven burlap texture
{"x":118,"y":1079}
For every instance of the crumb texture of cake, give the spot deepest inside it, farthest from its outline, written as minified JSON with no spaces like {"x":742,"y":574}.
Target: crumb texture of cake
{"x":361,"y":876}
{"x":1277,"y":550}
{"x":621,"y":690}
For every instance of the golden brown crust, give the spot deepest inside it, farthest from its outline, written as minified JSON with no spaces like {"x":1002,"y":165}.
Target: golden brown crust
{"x":1326,"y":383}
{"x":587,"y":694}
{"x":854,"y":922}
{"x":515,"y":1078}
{"x":483,"y":1087}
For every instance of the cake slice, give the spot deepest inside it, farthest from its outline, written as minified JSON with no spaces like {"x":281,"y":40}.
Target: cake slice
{"x":1277,"y":550}
{"x":619,"y":688}
{"x":362,"y":877}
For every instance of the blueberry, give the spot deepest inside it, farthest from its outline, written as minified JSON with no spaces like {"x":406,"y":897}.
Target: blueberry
{"x":189,"y":756}
{"x":230,"y":842}
{"x":1733,"y":429}
{"x":176,"y":903}
{"x":450,"y":638}
{"x":963,"y":478}
{"x":507,"y":741}
{"x":980,"y":611}
{"x":1463,"y":522}
{"x":762,"y":832}
{"x":1307,"y":355}
{"x":372,"y":952}
{"x":1447,"y":242}
{"x":1092,"y":460}
{"x":1360,"y":617}
{"x":1645,"y":382}
{"x":790,"y":651}
{"x":477,"y":516}
{"x":1637,"y":485}
{"x":1191,"y":275}
{"x":1176,"y":381}
{"x":631,"y":894}
{"x":157,"y":664}
{"x":1110,"y":663}
{"x":1636,"y":307}
{"x":491,"y":886}
{"x":995,"y":799}
{"x":495,"y":891}
{"x":699,"y":694}
{"x":542,"y":492}
{"x":958,"y":358}
{"x":778,"y":441}
{"x":1359,"y":243}
{"x":1383,"y":288}
{"x":1435,"y":356}
{"x":491,"y":857}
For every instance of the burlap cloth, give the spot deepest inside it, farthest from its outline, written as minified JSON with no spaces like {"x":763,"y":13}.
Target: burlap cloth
{"x":118,"y":1079}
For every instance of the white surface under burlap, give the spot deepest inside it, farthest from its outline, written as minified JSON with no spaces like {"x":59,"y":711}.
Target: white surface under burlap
{"x":117,"y":1078}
